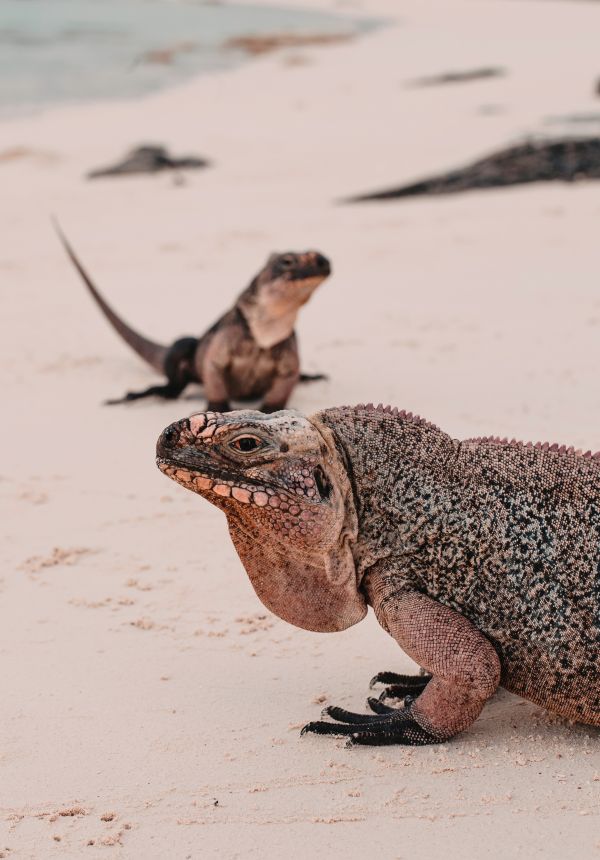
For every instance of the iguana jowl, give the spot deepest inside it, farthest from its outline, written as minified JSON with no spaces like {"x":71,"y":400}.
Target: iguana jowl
{"x":480,"y":557}
{"x":251,"y":352}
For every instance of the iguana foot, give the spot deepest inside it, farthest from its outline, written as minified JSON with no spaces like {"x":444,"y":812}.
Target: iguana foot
{"x":169,"y":391}
{"x":388,"y":726}
{"x":399,"y":686}
{"x":312,"y":377}
{"x":218,"y":406}
{"x":269,"y":408}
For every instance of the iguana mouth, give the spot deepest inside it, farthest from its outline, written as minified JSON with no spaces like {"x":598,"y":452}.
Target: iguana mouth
{"x":309,"y":279}
{"x":229,"y":485}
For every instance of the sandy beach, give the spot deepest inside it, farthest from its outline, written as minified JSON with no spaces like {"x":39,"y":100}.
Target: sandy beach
{"x":151,"y":706}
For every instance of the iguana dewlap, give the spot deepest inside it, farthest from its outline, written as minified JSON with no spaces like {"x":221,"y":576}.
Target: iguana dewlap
{"x":480,"y":557}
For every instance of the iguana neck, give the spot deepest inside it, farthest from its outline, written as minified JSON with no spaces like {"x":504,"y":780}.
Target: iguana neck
{"x":270,"y":322}
{"x":266,"y":329}
{"x":396,"y":462}
{"x":318,"y":590}
{"x":271,"y":307}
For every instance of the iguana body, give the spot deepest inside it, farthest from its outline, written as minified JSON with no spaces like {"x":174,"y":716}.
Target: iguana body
{"x":148,"y":159}
{"x":538,"y":161}
{"x":251,"y":352}
{"x":481,"y":557}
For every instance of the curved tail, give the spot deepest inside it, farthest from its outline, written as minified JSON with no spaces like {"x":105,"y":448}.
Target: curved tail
{"x":153,"y":353}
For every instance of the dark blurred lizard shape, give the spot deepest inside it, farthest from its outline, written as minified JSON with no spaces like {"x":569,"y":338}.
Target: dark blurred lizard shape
{"x":559,"y":160}
{"x":148,"y":159}
{"x":251,"y":352}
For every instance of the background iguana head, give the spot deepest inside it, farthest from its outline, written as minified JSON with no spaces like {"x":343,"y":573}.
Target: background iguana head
{"x":273,"y":299}
{"x":283,"y":486}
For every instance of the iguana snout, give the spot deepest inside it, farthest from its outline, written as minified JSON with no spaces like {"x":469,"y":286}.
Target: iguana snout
{"x":288,"y":504}
{"x":296,"y":266}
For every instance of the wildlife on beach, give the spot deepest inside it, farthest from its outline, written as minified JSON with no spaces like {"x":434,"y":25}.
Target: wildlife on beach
{"x":565,"y":160}
{"x":480,"y":557}
{"x":459,"y":77}
{"x":148,"y":159}
{"x":251,"y":352}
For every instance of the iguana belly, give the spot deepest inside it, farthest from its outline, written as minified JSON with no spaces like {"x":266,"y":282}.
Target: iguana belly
{"x":251,"y":372}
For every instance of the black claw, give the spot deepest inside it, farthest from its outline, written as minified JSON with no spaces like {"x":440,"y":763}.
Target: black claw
{"x":344,"y":716}
{"x":378,"y":707}
{"x":400,"y":686}
{"x":393,"y":678}
{"x":320,"y":727}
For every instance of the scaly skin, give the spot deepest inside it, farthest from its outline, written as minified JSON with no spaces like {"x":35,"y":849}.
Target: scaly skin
{"x":481,"y":557}
{"x":566,"y":160}
{"x":250,"y":353}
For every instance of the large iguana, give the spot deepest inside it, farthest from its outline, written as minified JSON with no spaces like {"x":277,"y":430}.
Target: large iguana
{"x":480,"y":557}
{"x":251,"y":352}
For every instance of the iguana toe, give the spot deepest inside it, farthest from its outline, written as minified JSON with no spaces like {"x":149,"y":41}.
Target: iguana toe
{"x":407,"y":733}
{"x":399,"y":686}
{"x":399,"y":680}
{"x":344,"y":716}
{"x":378,"y":706}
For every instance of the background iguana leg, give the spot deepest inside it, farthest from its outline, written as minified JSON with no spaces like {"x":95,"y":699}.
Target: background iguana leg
{"x":284,"y":382}
{"x":170,"y":391}
{"x":278,"y":394}
{"x":463,"y":663}
{"x":312,"y":377}
{"x":213,"y":373}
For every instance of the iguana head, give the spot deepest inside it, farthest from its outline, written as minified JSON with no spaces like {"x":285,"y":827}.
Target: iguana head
{"x":283,"y":486}
{"x":286,"y":282}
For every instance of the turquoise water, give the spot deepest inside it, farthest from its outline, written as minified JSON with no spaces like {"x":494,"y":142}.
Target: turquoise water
{"x":75,"y":50}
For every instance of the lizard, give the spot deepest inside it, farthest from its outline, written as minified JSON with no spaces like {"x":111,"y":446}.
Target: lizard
{"x":250,"y":352}
{"x":565,"y":160}
{"x":480,"y":557}
{"x":148,"y":159}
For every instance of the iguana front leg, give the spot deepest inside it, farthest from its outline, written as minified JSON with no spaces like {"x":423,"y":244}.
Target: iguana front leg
{"x":170,"y":391}
{"x":464,"y":666}
{"x":286,"y":377}
{"x":213,"y":370}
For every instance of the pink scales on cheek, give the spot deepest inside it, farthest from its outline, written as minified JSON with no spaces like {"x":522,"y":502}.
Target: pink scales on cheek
{"x":241,"y":495}
{"x":222,"y":490}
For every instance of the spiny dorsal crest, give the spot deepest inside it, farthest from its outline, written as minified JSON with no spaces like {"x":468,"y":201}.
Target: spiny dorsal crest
{"x":540,"y":446}
{"x":397,"y":413}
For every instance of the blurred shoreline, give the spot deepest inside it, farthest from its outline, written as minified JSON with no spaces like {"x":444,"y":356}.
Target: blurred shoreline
{"x":75,"y":51}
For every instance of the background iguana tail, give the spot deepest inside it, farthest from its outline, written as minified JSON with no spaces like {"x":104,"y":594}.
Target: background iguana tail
{"x":153,"y":353}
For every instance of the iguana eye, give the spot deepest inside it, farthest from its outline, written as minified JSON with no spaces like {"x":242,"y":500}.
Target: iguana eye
{"x":246,"y":444}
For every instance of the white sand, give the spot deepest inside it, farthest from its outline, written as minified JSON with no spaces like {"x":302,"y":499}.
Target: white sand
{"x":140,"y":675}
